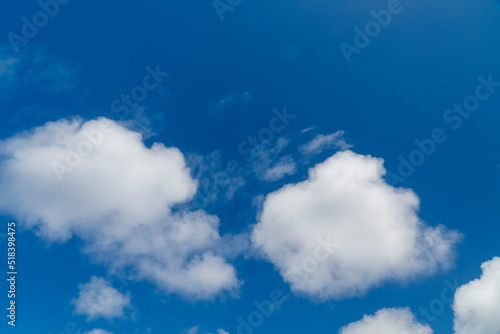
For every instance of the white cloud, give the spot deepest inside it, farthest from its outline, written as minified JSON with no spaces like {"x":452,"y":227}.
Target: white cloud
{"x":221,"y":331}
{"x":284,"y":166}
{"x":307,"y":129}
{"x":98,"y":299}
{"x":385,"y":321}
{"x":192,"y":330}
{"x":98,"y":331}
{"x":119,"y":199}
{"x":477,"y":303}
{"x":323,"y":142}
{"x":347,"y":201}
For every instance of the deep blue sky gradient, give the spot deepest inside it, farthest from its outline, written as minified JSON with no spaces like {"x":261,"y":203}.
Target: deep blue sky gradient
{"x":395,"y":91}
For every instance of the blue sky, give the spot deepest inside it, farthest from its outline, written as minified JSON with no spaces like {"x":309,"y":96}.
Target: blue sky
{"x":183,"y":228}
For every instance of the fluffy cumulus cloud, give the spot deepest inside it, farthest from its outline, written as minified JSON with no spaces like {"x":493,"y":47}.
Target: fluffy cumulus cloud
{"x":96,"y":180}
{"x":98,"y":299}
{"x":477,"y":303}
{"x":396,"y":321}
{"x":344,"y":231}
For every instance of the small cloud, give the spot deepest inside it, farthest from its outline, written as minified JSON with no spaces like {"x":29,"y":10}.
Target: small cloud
{"x":323,"y":142}
{"x":477,"y":303}
{"x":98,"y":299}
{"x":400,"y":320}
{"x":98,"y":331}
{"x":192,"y":330}
{"x":285,"y":166}
{"x":307,"y":129}
{"x":232,"y":99}
{"x":282,"y":144}
{"x":269,"y":164}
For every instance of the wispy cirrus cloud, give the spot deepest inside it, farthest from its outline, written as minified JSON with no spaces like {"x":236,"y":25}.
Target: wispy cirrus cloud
{"x":324,"y":142}
{"x":232,"y":99}
{"x":270,"y":163}
{"x":283,"y":167}
{"x":35,"y":67}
